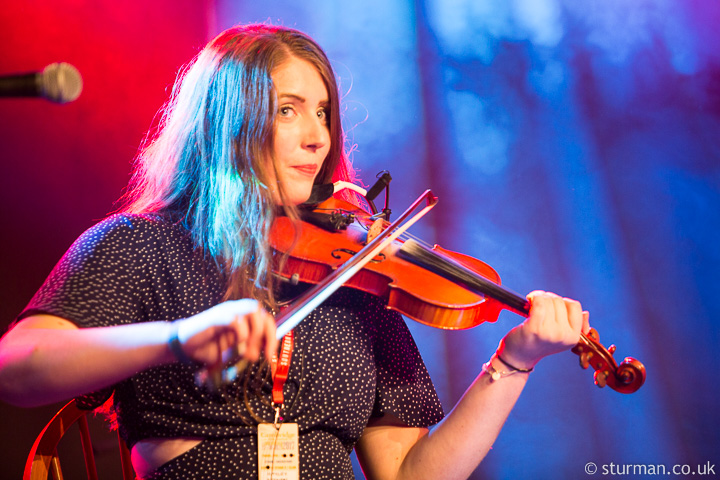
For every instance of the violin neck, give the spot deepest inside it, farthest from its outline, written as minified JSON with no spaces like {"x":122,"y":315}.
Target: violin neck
{"x":451,"y":269}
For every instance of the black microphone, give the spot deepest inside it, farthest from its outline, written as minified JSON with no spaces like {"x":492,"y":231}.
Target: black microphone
{"x":58,"y":82}
{"x":382,"y":182}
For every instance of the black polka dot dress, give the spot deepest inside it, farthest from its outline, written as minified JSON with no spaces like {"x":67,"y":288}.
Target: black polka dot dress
{"x":353,"y":359}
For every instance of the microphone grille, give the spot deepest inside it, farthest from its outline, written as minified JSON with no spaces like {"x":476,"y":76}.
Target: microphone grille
{"x":61,"y":82}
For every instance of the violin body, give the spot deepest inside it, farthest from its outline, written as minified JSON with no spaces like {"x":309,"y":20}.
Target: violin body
{"x":312,"y":253}
{"x":433,"y":286}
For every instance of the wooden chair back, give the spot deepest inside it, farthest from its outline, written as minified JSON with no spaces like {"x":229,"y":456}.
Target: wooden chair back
{"x":43,"y":461}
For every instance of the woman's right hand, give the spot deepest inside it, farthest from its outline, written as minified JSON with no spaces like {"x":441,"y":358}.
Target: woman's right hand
{"x":235,"y":328}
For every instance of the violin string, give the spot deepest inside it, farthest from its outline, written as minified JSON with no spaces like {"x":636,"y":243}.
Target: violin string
{"x":409,"y":236}
{"x":404,"y":236}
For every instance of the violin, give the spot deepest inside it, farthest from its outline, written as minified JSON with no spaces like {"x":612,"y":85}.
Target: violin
{"x":340,"y":244}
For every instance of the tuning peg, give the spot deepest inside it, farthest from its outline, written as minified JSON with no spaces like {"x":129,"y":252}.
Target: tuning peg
{"x":585,"y":358}
{"x":601,"y":378}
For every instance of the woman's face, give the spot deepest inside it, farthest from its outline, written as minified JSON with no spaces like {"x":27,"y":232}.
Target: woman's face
{"x":302,"y":135}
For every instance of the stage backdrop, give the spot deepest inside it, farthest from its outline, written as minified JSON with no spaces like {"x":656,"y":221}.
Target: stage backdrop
{"x":574,"y":145}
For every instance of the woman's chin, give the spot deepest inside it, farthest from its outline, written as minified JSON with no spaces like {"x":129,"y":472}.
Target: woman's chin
{"x":296,"y":197}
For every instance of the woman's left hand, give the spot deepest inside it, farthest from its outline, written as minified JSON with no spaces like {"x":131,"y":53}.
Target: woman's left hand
{"x":553,"y":326}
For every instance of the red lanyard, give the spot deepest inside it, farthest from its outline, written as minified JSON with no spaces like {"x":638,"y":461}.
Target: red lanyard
{"x":281,"y":367}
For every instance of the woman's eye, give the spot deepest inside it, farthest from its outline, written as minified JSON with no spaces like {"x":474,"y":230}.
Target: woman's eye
{"x":322,"y":115}
{"x":285,"y":111}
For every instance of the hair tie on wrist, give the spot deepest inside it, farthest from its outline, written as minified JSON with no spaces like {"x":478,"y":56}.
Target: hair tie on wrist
{"x":512,"y":367}
{"x":176,"y":347}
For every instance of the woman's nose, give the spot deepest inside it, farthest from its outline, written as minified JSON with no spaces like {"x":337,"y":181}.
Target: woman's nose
{"x":316,"y":135}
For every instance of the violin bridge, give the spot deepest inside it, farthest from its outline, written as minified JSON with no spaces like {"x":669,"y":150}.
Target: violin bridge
{"x":374,"y":230}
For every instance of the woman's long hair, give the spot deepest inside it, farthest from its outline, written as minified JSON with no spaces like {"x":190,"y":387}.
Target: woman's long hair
{"x":206,"y":163}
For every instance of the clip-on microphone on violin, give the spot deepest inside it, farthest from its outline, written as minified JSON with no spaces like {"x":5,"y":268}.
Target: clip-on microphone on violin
{"x":339,"y":220}
{"x":383,"y":182}
{"x":333,"y":221}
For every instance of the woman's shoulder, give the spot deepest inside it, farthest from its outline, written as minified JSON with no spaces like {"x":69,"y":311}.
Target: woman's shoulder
{"x":132,"y":227}
{"x":123,"y":236}
{"x":134,"y":222}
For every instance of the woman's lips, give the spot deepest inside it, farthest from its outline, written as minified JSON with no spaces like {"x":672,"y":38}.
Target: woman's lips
{"x":309,"y":169}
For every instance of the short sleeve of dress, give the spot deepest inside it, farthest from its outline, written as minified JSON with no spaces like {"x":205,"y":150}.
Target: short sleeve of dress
{"x":404,"y":387}
{"x":97,"y":282}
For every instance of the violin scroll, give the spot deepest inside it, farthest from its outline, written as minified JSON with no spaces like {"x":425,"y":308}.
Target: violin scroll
{"x":628,"y":377}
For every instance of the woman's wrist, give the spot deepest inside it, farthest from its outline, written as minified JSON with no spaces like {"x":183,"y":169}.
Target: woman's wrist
{"x":497,"y":368}
{"x":513,"y":359}
{"x":176,"y":347}
{"x":511,"y":366}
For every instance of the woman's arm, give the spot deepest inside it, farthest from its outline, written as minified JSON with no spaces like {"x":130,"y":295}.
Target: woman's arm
{"x":45,"y":359}
{"x":389,"y":450}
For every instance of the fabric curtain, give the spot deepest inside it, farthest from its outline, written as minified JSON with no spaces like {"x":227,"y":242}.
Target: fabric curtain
{"x":574,"y":147}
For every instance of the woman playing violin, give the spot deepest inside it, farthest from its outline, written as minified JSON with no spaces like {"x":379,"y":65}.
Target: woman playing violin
{"x":180,"y":280}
